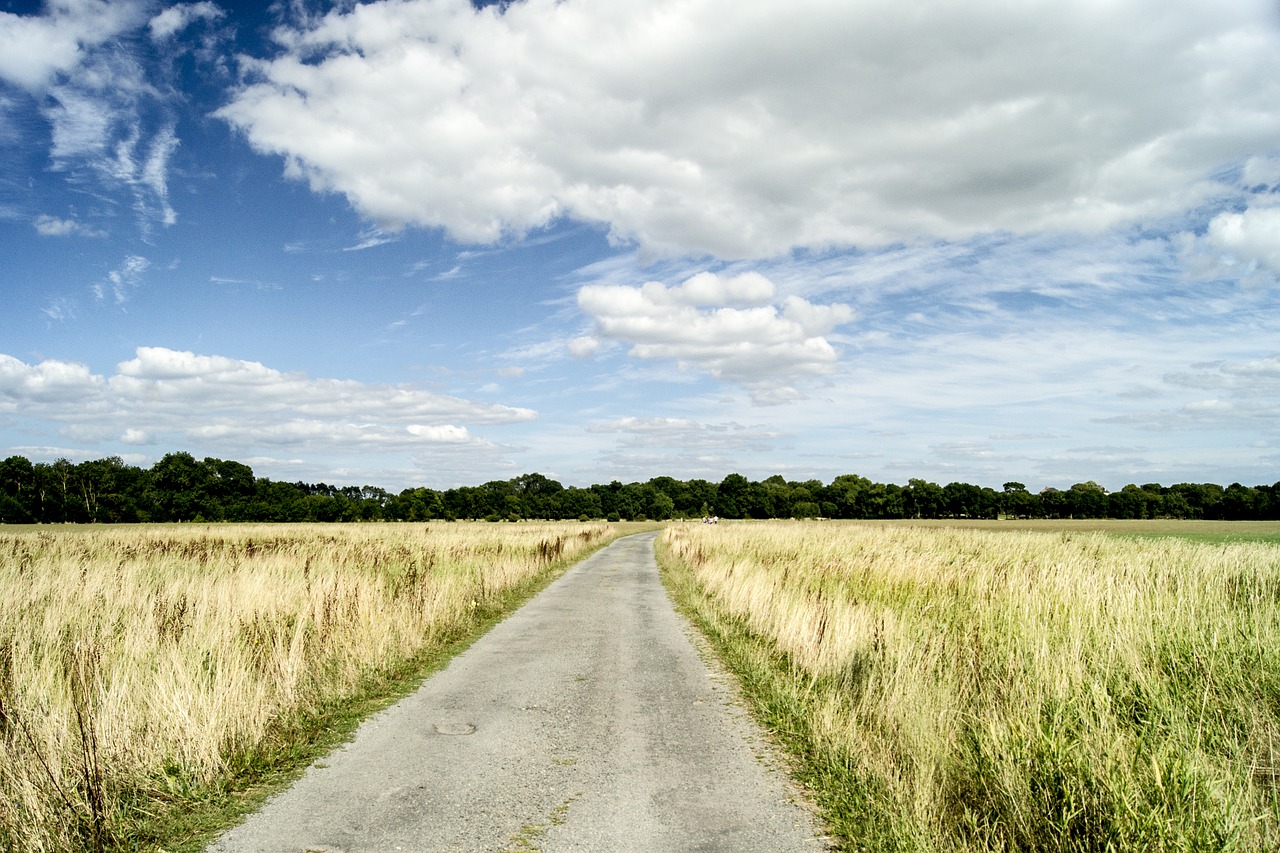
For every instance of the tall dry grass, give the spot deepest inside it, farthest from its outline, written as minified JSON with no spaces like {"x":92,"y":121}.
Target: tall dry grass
{"x":953,"y":689}
{"x":140,"y":666}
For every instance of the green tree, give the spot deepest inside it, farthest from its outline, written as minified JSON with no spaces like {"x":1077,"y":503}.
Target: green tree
{"x":661,"y":506}
{"x":761,"y":500}
{"x":54,"y":491}
{"x":1017,"y":502}
{"x":229,"y":488}
{"x":677,"y":491}
{"x":699,"y":500}
{"x":923,"y":499}
{"x":1053,"y":502}
{"x":1086,"y":500}
{"x":538,"y":496}
{"x":102,"y":488}
{"x":849,"y":496}
{"x":19,"y":498}
{"x":579,"y":503}
{"x":730,"y":496}
{"x":1133,"y":502}
{"x":886,"y":500}
{"x":964,"y":500}
{"x":634,"y":500}
{"x":1201,"y":500}
{"x":178,"y":488}
{"x":420,"y":504}
{"x":805,"y":509}
{"x":492,"y":499}
{"x":1240,"y":502}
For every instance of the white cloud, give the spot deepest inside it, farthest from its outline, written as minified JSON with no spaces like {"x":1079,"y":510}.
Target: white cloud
{"x":687,"y":434}
{"x":53,"y":226}
{"x":1251,"y":237}
{"x":136,"y":436}
{"x":695,"y":449}
{"x":584,"y":346}
{"x":1249,"y":390}
{"x":60,"y":308}
{"x":173,"y":20}
{"x":35,"y":48}
{"x":210,"y":401}
{"x":442,"y":433}
{"x":106,"y":98}
{"x":154,"y":176}
{"x":708,"y":288}
{"x":123,"y":280}
{"x":172,"y":379}
{"x":1046,"y":341}
{"x":1241,"y":243}
{"x":1262,"y":173}
{"x":371,"y":238}
{"x":743,"y":130}
{"x":52,"y":382}
{"x":760,"y":347}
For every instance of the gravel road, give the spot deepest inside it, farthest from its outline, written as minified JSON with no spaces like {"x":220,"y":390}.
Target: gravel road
{"x":587,"y":721}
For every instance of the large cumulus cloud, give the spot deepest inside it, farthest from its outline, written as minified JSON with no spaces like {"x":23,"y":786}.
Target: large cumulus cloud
{"x":746,"y":129}
{"x":728,"y":326}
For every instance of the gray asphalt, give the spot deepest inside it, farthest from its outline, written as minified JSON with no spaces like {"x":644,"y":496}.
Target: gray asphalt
{"x":587,"y":721}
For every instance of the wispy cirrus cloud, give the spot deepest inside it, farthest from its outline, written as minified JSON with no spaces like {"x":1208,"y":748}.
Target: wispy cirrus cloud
{"x":122,"y":280}
{"x":106,"y":95}
{"x":687,"y":433}
{"x":1232,"y":395}
{"x":700,"y":448}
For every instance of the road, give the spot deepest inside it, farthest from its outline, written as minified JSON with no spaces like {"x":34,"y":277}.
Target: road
{"x":587,"y":721}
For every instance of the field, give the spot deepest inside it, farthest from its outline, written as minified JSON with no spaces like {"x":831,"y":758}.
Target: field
{"x":958,"y":687}
{"x":150,"y":676}
{"x":1190,"y":529}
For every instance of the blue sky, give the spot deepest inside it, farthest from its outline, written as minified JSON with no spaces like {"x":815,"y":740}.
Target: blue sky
{"x":416,"y":242}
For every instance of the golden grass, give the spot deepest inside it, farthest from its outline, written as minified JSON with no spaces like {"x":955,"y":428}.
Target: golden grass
{"x":1179,"y":527}
{"x":952,"y":688}
{"x":141,"y":664}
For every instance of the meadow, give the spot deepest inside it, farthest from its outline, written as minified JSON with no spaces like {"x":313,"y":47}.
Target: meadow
{"x":992,"y":687}
{"x":154,"y":678}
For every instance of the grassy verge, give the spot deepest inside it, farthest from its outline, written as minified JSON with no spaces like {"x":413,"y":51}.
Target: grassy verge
{"x":157,"y":683}
{"x":945,"y":689}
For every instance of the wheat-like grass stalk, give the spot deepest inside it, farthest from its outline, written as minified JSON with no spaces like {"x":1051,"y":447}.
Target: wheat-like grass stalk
{"x":137,"y":664}
{"x":1019,"y":690}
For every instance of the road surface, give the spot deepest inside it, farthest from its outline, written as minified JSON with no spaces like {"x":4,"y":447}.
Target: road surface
{"x":587,"y":721}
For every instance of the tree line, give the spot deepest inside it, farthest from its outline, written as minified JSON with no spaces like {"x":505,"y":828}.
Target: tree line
{"x":180,"y":487}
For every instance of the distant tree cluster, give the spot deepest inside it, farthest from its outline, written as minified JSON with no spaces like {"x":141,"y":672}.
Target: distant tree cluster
{"x":180,"y":487}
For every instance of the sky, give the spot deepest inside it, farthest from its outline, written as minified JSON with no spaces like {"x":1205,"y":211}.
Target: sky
{"x":433,"y":243}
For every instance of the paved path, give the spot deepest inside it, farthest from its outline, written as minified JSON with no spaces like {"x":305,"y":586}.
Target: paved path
{"x":585,"y":722}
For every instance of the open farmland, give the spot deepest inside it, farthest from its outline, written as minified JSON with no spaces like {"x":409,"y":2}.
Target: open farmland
{"x":149,"y":671}
{"x":948,"y":688}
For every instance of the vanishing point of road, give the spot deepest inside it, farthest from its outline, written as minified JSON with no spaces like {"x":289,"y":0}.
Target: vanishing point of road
{"x":586,"y":721}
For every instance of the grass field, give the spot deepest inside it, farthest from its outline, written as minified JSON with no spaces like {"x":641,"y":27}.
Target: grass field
{"x":151,"y":676}
{"x":1005,"y":686}
{"x":1189,"y":529}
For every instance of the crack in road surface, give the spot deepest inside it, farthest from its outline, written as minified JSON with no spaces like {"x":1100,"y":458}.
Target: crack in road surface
{"x":586,"y":721}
